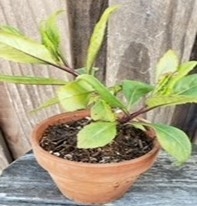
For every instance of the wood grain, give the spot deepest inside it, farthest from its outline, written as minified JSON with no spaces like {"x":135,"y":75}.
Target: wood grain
{"x":25,"y":183}
{"x":76,"y":26}
{"x":11,"y":127}
{"x":138,"y":35}
{"x":185,"y":116}
{"x":5,"y":157}
{"x":83,"y":16}
{"x":140,"y":32}
{"x":20,"y":100}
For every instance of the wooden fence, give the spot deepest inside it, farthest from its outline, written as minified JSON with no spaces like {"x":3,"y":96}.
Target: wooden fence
{"x":138,"y":34}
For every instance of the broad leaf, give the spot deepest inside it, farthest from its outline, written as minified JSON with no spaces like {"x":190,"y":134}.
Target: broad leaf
{"x":97,"y":38}
{"x":187,"y":86}
{"x":158,"y":101}
{"x":167,"y":83}
{"x":11,"y":30}
{"x":102,"y":91}
{"x":183,"y":70}
{"x":162,"y":87}
{"x":16,"y":45}
{"x":173,"y":140}
{"x":51,"y":35}
{"x":134,"y":91}
{"x":167,"y":64}
{"x":75,"y":95}
{"x":47,"y":104}
{"x":31,"y":80}
{"x":102,"y":111}
{"x":11,"y":54}
{"x":97,"y":134}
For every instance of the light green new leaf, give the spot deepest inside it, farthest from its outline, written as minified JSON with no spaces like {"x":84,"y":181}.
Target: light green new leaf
{"x":47,"y":104}
{"x":183,"y":70}
{"x":184,"y":92}
{"x":84,"y":71}
{"x":31,"y":80}
{"x":11,"y":30}
{"x":187,"y":86}
{"x":167,"y":64}
{"x":97,"y":134}
{"x":158,"y":101}
{"x":134,"y":91}
{"x":50,"y":34}
{"x":98,"y":37}
{"x":173,"y":140}
{"x":11,"y":54}
{"x":102,"y":91}
{"x":102,"y":111}
{"x":75,"y":95}
{"x":139,"y":126}
{"x":162,"y":87}
{"x":19,"y":47}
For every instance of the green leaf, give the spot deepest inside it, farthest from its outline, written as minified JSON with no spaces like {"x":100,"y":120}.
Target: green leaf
{"x":102,"y":111}
{"x":98,"y":37}
{"x":83,"y":70}
{"x":97,"y":134}
{"x":158,"y":101}
{"x":187,"y":86}
{"x":115,"y":89}
{"x":51,"y":36}
{"x":75,"y":95}
{"x":162,"y":86}
{"x":173,"y":140}
{"x":167,"y":64}
{"x":134,"y":91}
{"x":15,"y":47}
{"x":11,"y":54}
{"x":11,"y":30}
{"x":183,"y":70}
{"x":185,"y":91}
{"x":102,"y":91}
{"x":139,"y":126}
{"x":47,"y":104}
{"x":31,"y":80}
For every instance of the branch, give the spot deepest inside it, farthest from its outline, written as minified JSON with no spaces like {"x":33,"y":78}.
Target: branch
{"x":66,"y":69}
{"x":131,"y":116}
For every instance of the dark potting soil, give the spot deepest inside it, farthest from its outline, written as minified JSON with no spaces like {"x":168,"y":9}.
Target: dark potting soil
{"x":61,"y":140}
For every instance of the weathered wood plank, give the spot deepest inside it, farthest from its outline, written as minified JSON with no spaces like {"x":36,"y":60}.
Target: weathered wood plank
{"x":25,"y":183}
{"x":185,"y":116}
{"x":140,"y":32}
{"x":83,"y":16}
{"x":10,"y":126}
{"x":26,"y":15}
{"x":79,"y":19}
{"x":5,"y":157}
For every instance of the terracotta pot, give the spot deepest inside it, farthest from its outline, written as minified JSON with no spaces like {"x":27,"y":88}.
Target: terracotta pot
{"x":87,"y":182}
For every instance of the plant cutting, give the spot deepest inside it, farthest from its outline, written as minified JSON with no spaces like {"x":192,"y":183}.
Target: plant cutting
{"x":101,"y":145}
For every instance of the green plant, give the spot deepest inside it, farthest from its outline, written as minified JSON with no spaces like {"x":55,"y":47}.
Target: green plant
{"x":172,"y":86}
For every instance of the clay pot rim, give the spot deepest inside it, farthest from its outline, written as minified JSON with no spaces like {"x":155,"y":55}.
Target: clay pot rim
{"x":35,"y":144}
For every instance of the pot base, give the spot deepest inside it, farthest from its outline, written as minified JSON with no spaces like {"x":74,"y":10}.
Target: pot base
{"x":93,"y":193}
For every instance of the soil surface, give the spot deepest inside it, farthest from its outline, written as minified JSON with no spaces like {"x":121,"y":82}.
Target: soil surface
{"x":61,"y":140}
